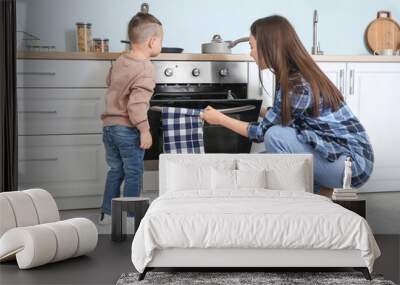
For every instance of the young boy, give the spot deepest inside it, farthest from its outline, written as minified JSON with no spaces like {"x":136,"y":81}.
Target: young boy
{"x":126,"y":130}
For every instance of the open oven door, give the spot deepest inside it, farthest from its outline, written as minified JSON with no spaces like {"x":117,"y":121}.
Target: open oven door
{"x":217,"y":139}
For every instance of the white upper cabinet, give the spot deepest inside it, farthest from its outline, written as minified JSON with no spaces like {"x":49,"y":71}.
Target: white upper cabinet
{"x":374,"y":97}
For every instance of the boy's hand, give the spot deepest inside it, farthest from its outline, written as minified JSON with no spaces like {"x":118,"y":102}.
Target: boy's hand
{"x":145,"y":139}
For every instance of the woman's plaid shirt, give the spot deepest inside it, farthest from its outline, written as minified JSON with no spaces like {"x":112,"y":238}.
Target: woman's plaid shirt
{"x":332,"y":134}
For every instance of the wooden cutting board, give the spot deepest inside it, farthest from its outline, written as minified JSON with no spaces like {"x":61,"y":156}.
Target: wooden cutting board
{"x":383,"y":33}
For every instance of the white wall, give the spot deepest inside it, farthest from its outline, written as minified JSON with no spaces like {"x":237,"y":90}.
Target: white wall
{"x":189,"y":23}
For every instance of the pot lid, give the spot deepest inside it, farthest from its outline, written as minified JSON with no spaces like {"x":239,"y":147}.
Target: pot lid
{"x":217,"y":39}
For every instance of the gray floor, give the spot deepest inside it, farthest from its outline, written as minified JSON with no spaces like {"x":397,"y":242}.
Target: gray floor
{"x":110,"y":260}
{"x":103,"y":266}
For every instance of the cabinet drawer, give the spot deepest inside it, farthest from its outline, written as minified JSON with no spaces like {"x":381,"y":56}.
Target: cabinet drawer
{"x":60,"y":111}
{"x":65,"y":165}
{"x":62,"y":73}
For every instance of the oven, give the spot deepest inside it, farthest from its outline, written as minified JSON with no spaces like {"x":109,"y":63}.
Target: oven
{"x":186,"y":84}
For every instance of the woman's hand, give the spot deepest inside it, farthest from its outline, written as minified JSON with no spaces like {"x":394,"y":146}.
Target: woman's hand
{"x":263,"y":112}
{"x":212,"y":116}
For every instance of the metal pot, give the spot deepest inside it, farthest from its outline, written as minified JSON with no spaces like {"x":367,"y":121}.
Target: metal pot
{"x":218,"y":45}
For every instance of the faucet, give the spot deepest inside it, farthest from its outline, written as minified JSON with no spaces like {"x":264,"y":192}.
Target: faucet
{"x":316,"y":46}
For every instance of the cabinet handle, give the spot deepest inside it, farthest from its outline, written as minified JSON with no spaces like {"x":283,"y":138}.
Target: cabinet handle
{"x":39,"y":159}
{"x":351,"y":84}
{"x":341,"y":81}
{"x":36,"y":73}
{"x":261,"y":82}
{"x":38,"y":112}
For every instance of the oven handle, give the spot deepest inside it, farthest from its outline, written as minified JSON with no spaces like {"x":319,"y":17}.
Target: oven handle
{"x":237,"y":109}
{"x":225,"y":111}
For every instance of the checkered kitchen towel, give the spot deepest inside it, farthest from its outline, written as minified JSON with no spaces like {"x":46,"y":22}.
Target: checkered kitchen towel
{"x":182,"y":130}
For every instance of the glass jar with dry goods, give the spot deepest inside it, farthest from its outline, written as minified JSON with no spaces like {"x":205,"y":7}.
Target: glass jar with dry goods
{"x":97,"y":45}
{"x":89,"y":36}
{"x":106,"y":45}
{"x":83,"y":36}
{"x":100,"y":45}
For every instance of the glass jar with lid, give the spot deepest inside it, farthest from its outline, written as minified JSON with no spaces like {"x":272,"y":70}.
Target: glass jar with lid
{"x":106,"y":45}
{"x":83,"y":36}
{"x":97,"y":45}
{"x":89,"y":36}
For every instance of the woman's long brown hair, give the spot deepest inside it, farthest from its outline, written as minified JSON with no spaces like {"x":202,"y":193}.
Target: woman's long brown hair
{"x":281,"y":50}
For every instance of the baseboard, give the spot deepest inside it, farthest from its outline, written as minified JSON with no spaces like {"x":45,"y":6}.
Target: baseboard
{"x":79,"y":202}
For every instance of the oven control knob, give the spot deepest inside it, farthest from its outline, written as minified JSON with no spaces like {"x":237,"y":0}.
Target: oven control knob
{"x":168,"y":72}
{"x":223,"y":72}
{"x":196,"y":72}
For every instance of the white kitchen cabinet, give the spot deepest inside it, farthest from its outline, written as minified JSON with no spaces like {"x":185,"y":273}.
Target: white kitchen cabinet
{"x":261,"y":86}
{"x":59,"y":127}
{"x":372,"y":92}
{"x":336,"y":72}
{"x":68,"y":166}
{"x":60,"y":110}
{"x":339,"y":74}
{"x":373,"y":95}
{"x":62,"y":73}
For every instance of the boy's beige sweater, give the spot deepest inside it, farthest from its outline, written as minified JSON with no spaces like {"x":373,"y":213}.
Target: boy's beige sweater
{"x":130,"y":86}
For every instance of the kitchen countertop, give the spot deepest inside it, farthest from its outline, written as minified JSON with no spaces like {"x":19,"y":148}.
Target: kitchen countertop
{"x":196,"y":57}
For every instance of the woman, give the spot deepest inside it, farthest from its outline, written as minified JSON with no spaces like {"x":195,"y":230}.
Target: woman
{"x":309,"y":114}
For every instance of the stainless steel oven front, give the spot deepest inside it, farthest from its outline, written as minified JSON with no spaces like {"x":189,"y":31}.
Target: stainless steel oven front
{"x":191,"y":84}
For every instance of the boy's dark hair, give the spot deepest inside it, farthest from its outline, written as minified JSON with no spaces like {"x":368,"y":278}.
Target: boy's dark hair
{"x":142,"y":26}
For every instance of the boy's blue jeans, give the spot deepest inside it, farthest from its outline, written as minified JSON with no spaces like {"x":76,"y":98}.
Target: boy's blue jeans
{"x":280,"y":139}
{"x":125,"y":163}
